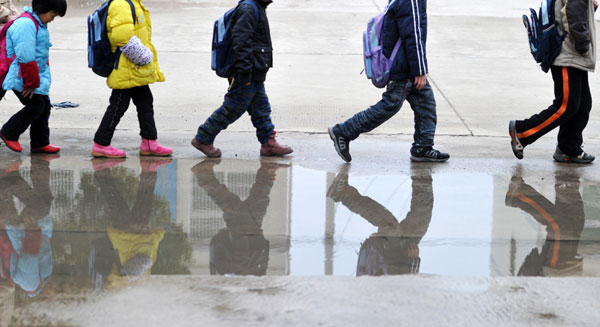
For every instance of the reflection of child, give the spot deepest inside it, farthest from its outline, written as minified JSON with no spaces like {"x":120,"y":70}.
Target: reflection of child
{"x":8,"y":11}
{"x":133,"y":243}
{"x":27,"y":234}
{"x":394,"y":248}
{"x":241,"y":248}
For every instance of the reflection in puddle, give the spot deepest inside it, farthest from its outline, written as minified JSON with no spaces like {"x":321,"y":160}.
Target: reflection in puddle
{"x":79,"y":225}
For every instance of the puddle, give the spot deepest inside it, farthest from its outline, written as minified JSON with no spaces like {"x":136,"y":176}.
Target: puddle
{"x":85,"y":225}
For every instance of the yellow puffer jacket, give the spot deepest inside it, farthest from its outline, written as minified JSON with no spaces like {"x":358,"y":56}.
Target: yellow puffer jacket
{"x":121,"y":28}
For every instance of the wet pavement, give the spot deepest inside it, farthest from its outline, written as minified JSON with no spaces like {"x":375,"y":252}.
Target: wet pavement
{"x":74,"y":228}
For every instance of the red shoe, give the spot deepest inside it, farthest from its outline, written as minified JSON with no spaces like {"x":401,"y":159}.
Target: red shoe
{"x":13,"y":145}
{"x":46,"y":149}
{"x":272,"y":148}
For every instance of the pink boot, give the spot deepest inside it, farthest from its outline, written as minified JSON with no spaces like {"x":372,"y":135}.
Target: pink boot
{"x":272,"y":148}
{"x":101,"y":151}
{"x":152,"y":148}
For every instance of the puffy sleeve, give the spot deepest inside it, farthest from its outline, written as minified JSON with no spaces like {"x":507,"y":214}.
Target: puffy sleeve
{"x":120,"y":23}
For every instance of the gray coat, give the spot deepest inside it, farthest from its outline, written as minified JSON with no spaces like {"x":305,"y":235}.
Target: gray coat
{"x":576,"y":17}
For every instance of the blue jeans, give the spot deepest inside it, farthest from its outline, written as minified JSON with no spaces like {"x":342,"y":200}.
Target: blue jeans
{"x":422,"y":103}
{"x":238,"y":100}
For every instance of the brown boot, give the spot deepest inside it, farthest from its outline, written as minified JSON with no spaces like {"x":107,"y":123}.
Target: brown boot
{"x":272,"y":148}
{"x":208,"y":149}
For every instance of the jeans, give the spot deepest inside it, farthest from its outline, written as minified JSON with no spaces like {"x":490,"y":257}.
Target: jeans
{"x":34,"y":116}
{"x":238,"y":100}
{"x":119,"y":103}
{"x":421,"y":101}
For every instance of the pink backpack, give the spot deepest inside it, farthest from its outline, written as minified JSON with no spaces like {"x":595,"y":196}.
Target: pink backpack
{"x":5,"y":61}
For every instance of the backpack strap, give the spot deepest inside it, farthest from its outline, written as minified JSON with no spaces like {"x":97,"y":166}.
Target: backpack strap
{"x":135,"y":20}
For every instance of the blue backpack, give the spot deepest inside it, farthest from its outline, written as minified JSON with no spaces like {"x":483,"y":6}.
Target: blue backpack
{"x":545,"y":41}
{"x":222,"y":56}
{"x":101,"y":59}
{"x":377,"y":65}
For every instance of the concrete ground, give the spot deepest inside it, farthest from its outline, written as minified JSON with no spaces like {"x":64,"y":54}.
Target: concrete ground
{"x":483,"y":76}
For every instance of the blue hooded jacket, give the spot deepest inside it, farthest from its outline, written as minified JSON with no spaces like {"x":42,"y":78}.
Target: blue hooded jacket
{"x":29,"y":46}
{"x":406,"y":20}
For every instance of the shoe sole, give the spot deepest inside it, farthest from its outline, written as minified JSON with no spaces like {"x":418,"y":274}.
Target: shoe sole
{"x":4,"y":140}
{"x":335,"y":144}
{"x":419,"y":159}
{"x":147,"y":154}
{"x":102,"y":155}
{"x":514,"y":140}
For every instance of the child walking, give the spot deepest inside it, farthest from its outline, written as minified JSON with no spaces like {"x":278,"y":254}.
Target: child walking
{"x":29,"y":75}
{"x":136,"y":68}
{"x":572,"y":104}
{"x":405,"y":20}
{"x":253,"y":56}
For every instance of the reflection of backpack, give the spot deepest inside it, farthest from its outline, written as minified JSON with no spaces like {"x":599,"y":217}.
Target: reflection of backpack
{"x":222,"y":57}
{"x":377,"y":65}
{"x":101,"y":59}
{"x":545,"y":41}
{"x":5,"y":61}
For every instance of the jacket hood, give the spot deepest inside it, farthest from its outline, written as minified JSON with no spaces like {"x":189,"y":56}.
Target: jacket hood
{"x":265,"y":3}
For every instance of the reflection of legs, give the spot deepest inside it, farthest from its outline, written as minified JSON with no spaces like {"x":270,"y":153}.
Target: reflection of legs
{"x":41,"y":199}
{"x":117,"y":207}
{"x":418,"y":218}
{"x":142,"y":209}
{"x":258,"y":201}
{"x":206,"y":179}
{"x":364,"y":206}
{"x":570,"y":214}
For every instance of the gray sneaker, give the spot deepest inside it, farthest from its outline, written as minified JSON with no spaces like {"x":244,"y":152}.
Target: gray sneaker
{"x":516,"y":145}
{"x":583,"y":158}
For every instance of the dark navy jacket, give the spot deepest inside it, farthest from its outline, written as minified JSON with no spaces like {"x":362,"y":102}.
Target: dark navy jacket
{"x":251,"y":41}
{"x":406,"y":20}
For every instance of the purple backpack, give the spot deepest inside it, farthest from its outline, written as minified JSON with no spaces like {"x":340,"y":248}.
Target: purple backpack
{"x":377,"y":66}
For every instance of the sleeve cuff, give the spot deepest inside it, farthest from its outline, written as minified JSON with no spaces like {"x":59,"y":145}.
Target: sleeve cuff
{"x":30,"y":74}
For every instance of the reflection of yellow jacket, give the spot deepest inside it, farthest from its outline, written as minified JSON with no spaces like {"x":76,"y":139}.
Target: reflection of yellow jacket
{"x":129,"y":244}
{"x":121,"y":28}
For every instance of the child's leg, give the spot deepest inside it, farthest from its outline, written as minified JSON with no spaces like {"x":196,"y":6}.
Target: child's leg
{"x":39,"y":131}
{"x":260,"y":113}
{"x":119,"y":103}
{"x":367,"y":120}
{"x":144,"y":102}
{"x":19,"y":122}
{"x":567,"y":92}
{"x":424,"y":107}
{"x":570,"y":134}
{"x":237,"y":101}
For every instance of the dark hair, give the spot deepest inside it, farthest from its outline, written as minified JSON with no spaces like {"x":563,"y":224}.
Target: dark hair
{"x":44,"y":6}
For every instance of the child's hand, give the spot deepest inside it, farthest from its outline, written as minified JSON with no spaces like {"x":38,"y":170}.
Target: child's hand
{"x":28,"y":93}
{"x":420,"y":82}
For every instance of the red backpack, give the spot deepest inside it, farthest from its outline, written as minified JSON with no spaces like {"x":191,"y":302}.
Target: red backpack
{"x":5,"y":61}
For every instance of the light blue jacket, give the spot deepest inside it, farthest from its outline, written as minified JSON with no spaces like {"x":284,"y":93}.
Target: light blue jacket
{"x":21,"y":39}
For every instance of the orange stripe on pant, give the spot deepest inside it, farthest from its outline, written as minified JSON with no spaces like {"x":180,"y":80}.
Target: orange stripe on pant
{"x":550,"y":220}
{"x":557,"y":114}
